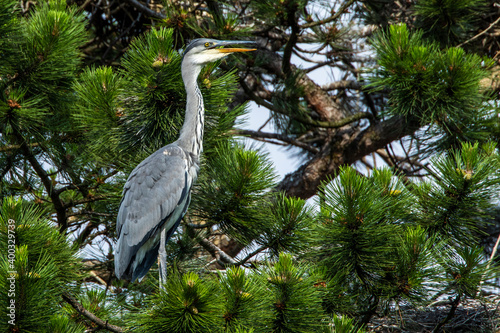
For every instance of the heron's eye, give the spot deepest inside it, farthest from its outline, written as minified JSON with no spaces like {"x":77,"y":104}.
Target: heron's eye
{"x":207,"y":44}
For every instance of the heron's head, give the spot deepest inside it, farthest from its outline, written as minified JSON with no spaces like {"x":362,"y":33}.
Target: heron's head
{"x":203,"y":50}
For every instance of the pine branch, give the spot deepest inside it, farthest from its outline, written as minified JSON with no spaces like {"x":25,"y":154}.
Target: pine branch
{"x":398,"y":163}
{"x":92,"y":213}
{"x":59,"y":205}
{"x":83,"y":201}
{"x":250,"y":255}
{"x":82,"y":7}
{"x":316,"y":123}
{"x":66,"y":188}
{"x":215,"y":251}
{"x":287,"y":53}
{"x":89,"y":315}
{"x":304,"y":182}
{"x":318,"y":65}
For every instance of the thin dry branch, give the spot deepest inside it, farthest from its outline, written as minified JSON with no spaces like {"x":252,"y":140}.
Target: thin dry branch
{"x":331,"y":18}
{"x":280,"y":137}
{"x":251,"y":255}
{"x":482,"y":32}
{"x":343,"y":84}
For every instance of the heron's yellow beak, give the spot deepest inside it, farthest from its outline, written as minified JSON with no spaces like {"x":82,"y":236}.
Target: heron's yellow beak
{"x":231,"y":50}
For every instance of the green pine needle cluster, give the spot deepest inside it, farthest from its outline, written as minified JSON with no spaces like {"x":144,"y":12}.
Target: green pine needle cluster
{"x":37,"y":85}
{"x":269,"y":299}
{"x":289,"y":228}
{"x":63,"y":324}
{"x":354,"y":228}
{"x":41,"y":268}
{"x":380,"y":240}
{"x":415,"y":265}
{"x":154,"y":92}
{"x":99,"y":302}
{"x":8,"y":27}
{"x":424,"y":81}
{"x":291,"y":287}
{"x":460,"y":193}
{"x":98,"y":107}
{"x":439,"y":88}
{"x":232,"y":191}
{"x":188,"y":304}
{"x":464,"y":269}
{"x":449,"y":21}
{"x":243,"y":295}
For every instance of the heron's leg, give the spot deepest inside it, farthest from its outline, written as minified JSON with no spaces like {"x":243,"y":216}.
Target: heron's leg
{"x":163,"y":259}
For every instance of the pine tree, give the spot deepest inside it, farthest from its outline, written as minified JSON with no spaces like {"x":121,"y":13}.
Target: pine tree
{"x":88,"y":89}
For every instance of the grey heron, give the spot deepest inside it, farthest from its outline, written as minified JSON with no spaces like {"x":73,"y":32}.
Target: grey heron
{"x":157,"y":193}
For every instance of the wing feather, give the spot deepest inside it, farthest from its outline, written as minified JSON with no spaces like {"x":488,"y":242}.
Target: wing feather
{"x":155,"y":189}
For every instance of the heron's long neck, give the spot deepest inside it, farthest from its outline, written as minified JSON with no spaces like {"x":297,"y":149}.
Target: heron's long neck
{"x":191,"y":135}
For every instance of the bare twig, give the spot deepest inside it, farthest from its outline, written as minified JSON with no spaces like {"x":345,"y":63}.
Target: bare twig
{"x":101,"y":281}
{"x":331,"y":18}
{"x":87,"y":212}
{"x":250,"y":255}
{"x":281,"y":137}
{"x":482,"y":32}
{"x":493,"y":253}
{"x":84,"y":201}
{"x":319,"y":65}
{"x":85,"y":4}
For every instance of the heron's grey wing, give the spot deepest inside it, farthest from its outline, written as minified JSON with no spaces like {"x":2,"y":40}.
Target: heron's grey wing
{"x":155,"y":193}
